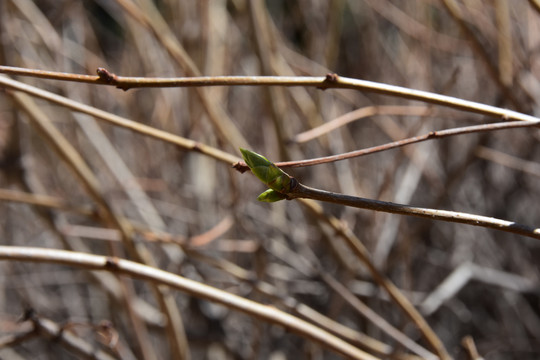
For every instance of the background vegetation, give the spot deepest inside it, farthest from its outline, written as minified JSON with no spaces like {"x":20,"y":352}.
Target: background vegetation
{"x":193,"y":215}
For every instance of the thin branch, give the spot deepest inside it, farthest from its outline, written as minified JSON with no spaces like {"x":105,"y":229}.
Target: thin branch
{"x":302,"y":191}
{"x":330,"y":81}
{"x":55,"y":75}
{"x":120,"y":121}
{"x":241,"y":166}
{"x":360,"y":114}
{"x":140,"y":271}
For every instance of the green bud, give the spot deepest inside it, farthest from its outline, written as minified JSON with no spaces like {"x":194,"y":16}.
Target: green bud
{"x":267,"y":172}
{"x":271,"y":196}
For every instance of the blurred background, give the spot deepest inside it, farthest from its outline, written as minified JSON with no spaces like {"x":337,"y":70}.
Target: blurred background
{"x":198,"y":217}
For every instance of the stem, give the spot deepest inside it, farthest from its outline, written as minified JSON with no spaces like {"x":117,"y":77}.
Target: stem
{"x":412,"y":140}
{"x":302,"y":191}
{"x":330,"y":81}
{"x":157,"y":276}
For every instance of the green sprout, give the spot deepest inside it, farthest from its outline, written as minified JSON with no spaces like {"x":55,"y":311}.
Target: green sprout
{"x":279,"y":182}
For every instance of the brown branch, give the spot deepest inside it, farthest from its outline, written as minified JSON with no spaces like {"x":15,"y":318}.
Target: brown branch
{"x":54,"y":75}
{"x":330,"y":81}
{"x":241,"y":166}
{"x":160,"y":277}
{"x":305,"y":192}
{"x":120,"y":121}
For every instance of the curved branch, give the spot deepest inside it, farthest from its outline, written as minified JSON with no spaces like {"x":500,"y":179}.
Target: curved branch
{"x":136,"y":270}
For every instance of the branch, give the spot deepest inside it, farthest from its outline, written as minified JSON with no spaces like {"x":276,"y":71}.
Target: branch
{"x":283,"y":186}
{"x":140,"y":271}
{"x":120,"y":121}
{"x":415,"y":139}
{"x":302,"y":191}
{"x":330,"y":81}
